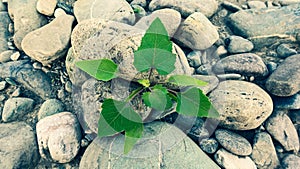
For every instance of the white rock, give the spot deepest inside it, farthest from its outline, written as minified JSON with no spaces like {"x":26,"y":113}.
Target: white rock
{"x":46,"y":7}
{"x":15,"y":56}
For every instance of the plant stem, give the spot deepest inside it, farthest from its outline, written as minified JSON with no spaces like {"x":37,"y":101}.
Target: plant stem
{"x":134,"y":94}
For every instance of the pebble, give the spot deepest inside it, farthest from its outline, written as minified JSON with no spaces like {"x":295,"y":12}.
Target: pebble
{"x":284,"y":51}
{"x":281,"y":128}
{"x":272,"y":66}
{"x":221,"y":51}
{"x":59,"y":12}
{"x":16,"y":93}
{"x":229,"y":76}
{"x":15,"y":56}
{"x":142,"y":3}
{"x":2,"y":85}
{"x":59,"y":137}
{"x":256,"y":4}
{"x":291,"y":161}
{"x":233,"y":142}
{"x":2,"y":98}
{"x":212,"y":81}
{"x":194,"y":59}
{"x":209,"y":145}
{"x":197,"y":32}
{"x":264,"y":153}
{"x":230,"y":6}
{"x":50,"y":107}
{"x":205,"y":69}
{"x":237,"y":44}
{"x":288,"y":103}
{"x":10,"y":81}
{"x":37,"y":65}
{"x":46,"y":7}
{"x":15,"y":108}
{"x":5,"y":56}
{"x":68,"y":86}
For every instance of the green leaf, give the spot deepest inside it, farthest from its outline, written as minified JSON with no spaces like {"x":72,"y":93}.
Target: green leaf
{"x":194,"y":103}
{"x":103,"y":69}
{"x":155,"y":51}
{"x":184,"y":80}
{"x":144,"y":82}
{"x":157,"y":99}
{"x":117,"y":116}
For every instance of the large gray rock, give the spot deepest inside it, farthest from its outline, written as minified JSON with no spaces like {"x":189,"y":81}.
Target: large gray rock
{"x":4,"y":22}
{"x":116,"y":10}
{"x":242,"y":105}
{"x":197,"y":32}
{"x":15,"y":108}
{"x":186,"y":7}
{"x":49,"y":42}
{"x":18,"y":146}
{"x":162,"y":145}
{"x":59,"y":137}
{"x":284,"y":81}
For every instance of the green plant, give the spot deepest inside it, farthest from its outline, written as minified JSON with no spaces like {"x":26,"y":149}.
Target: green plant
{"x":154,"y":55}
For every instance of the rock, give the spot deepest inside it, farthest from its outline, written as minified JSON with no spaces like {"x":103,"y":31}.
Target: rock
{"x":49,"y":42}
{"x":46,"y":7}
{"x":288,"y":2}
{"x":209,"y":146}
{"x":169,"y":17}
{"x":2,"y":7}
{"x":231,"y":6}
{"x":58,"y":12}
{"x":247,"y":64}
{"x":288,"y":103}
{"x":25,"y":17}
{"x":230,"y":76}
{"x":212,"y":81}
{"x":50,"y":107}
{"x":2,"y":85}
{"x":160,"y":144}
{"x":59,"y":137}
{"x":18,"y":146}
{"x":282,"y":82}
{"x":142,"y":3}
{"x":197,"y":32}
{"x":116,"y":10}
{"x":229,"y":160}
{"x":5,"y":55}
{"x":15,"y":56}
{"x":233,"y":142}
{"x":258,"y":26}
{"x":237,"y":44}
{"x":264,"y":153}
{"x":281,"y":128}
{"x":284,"y":51}
{"x":272,"y":66}
{"x":186,"y":8}
{"x":194,"y":59}
{"x":139,"y":11}
{"x":15,"y":108}
{"x":242,"y":105}
{"x":291,"y":161}
{"x":256,"y":4}
{"x":4,"y":22}
{"x":205,"y":69}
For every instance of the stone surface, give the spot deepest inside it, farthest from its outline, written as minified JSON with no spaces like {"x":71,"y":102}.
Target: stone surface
{"x":2,"y":85}
{"x":229,"y":160}
{"x":116,"y":10}
{"x":15,"y":108}
{"x":256,"y":4}
{"x":3,"y":7}
{"x":209,"y":146}
{"x":186,"y":7}
{"x":288,"y":2}
{"x":50,"y":107}
{"x":159,"y":146}
{"x":4,"y":22}
{"x":18,"y":146}
{"x":284,"y":81}
{"x":212,"y":81}
{"x":51,"y":41}
{"x":291,"y":162}
{"x":197,"y":32}
{"x":59,"y":137}
{"x":284,"y":51}
{"x":281,"y":128}
{"x":264,"y":153}
{"x":233,"y":142}
{"x":288,"y":103}
{"x":194,"y":59}
{"x":46,"y":7}
{"x":247,"y":64}
{"x":5,"y":55}
{"x":25,"y":17}
{"x":242,"y":105}
{"x":169,"y":17}
{"x":237,"y":44}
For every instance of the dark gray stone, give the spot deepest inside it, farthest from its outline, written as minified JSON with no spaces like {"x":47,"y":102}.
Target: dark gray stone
{"x":291,"y":161}
{"x":209,"y":145}
{"x":4,"y":22}
{"x":15,"y":108}
{"x":50,"y":107}
{"x":285,"y":51}
{"x":288,"y":103}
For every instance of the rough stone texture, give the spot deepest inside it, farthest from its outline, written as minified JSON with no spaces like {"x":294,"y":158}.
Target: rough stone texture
{"x":59,"y":137}
{"x":281,"y":128}
{"x":229,"y":160}
{"x":284,"y":51}
{"x":4,"y":22}
{"x":247,"y":64}
{"x":264,"y":153}
{"x":169,"y":17}
{"x":49,"y":42}
{"x":242,"y":105}
{"x":25,"y":17}
{"x":197,"y":32}
{"x":186,"y":7}
{"x":46,"y":7}
{"x":116,"y":10}
{"x":18,"y":146}
{"x":289,"y":103}
{"x":258,"y":25}
{"x":209,"y":145}
{"x":159,"y":146}
{"x":15,"y":108}
{"x":284,"y":81}
{"x":291,"y":162}
{"x":50,"y":107}
{"x":237,"y":44}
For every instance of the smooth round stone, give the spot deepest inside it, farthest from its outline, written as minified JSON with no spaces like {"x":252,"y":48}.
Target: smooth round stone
{"x":209,"y":146}
{"x":50,"y":107}
{"x":15,"y":108}
{"x":284,"y":51}
{"x":237,"y":44}
{"x":233,"y":142}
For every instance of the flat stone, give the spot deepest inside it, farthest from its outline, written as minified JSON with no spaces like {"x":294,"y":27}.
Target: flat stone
{"x":59,"y":137}
{"x":288,"y":103}
{"x":282,"y":82}
{"x":115,"y":10}
{"x":4,"y":22}
{"x":229,"y":160}
{"x":233,"y":142}
{"x":231,"y":6}
{"x":281,"y":128}
{"x":291,"y":161}
{"x":15,"y":108}
{"x":247,"y":64}
{"x":197,"y":32}
{"x":18,"y":146}
{"x":237,"y":44}
{"x":160,"y":144}
{"x":169,"y":17}
{"x":186,"y":8}
{"x":209,"y":146}
{"x":264,"y":153}
{"x":50,"y":107}
{"x":46,"y":7}
{"x":284,"y":51}
{"x":232,"y":99}
{"x":49,"y":42}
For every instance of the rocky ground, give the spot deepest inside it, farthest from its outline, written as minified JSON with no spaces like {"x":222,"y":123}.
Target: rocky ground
{"x":246,"y":50}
